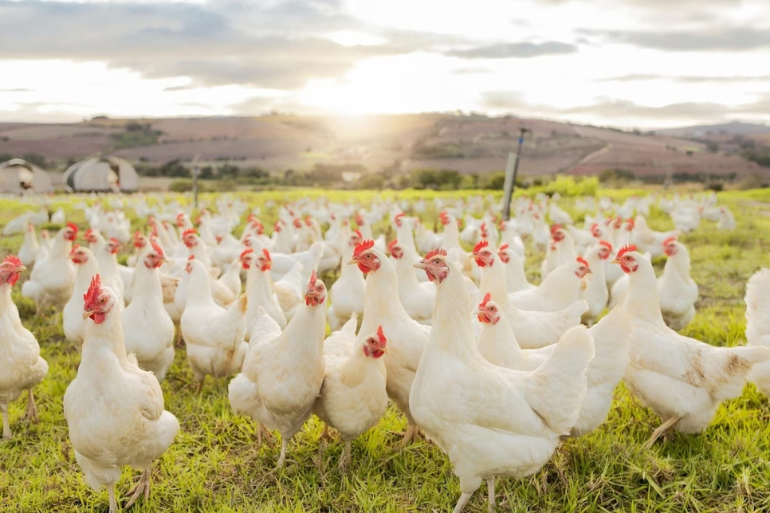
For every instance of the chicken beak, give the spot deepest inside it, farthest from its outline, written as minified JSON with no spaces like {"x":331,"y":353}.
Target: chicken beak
{"x":353,"y":261}
{"x":87,"y":314}
{"x":384,"y":349}
{"x":21,"y":268}
{"x":615,"y":261}
{"x":420,"y":265}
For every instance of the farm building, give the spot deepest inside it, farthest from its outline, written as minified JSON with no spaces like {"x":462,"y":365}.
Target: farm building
{"x":18,"y":176}
{"x":101,"y":175}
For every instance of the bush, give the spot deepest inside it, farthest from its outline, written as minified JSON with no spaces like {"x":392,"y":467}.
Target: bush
{"x":616,"y":176}
{"x":715,"y":186}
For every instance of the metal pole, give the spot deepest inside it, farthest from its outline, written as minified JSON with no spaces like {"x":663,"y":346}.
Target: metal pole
{"x":195,"y":172}
{"x":510,"y":176}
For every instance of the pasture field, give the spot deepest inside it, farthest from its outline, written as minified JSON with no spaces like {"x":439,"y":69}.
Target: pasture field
{"x":214,"y":464}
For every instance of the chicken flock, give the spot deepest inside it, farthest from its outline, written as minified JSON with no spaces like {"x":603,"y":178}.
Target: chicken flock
{"x":493,"y":369}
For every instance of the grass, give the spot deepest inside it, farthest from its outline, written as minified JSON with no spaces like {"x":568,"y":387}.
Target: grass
{"x":214,"y":464}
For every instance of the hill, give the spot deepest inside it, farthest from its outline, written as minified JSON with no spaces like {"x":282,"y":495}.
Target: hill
{"x":466,"y":143}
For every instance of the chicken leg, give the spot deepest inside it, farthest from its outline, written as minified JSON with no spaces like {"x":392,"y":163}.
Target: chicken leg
{"x":263,"y":431}
{"x":113,"y":501}
{"x":282,"y":457}
{"x":142,"y":488}
{"x":662,"y":429}
{"x":31,"y":413}
{"x":345,"y":457}
{"x":411,"y":435}
{"x":322,"y":439}
{"x":7,"y":434}
{"x":464,"y":498}
{"x":491,"y":491}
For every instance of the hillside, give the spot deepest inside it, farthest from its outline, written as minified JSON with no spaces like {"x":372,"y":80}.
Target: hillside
{"x":467,"y":143}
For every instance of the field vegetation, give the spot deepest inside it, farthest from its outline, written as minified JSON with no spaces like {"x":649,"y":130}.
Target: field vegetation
{"x":214,"y":464}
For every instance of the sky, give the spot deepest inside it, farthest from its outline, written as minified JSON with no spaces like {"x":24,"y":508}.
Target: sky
{"x":624,"y":63}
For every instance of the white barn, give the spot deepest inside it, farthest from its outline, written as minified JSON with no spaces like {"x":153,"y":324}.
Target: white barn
{"x":18,"y":176}
{"x":106,"y":174}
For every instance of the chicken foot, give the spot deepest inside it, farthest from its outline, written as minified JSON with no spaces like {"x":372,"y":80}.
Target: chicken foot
{"x":346,"y":456}
{"x":464,"y":498}
{"x":411,"y":435}
{"x":113,"y":501}
{"x":323,"y":438}
{"x":661,"y":429}
{"x":31,"y":412}
{"x":142,"y":488}
{"x":263,"y":431}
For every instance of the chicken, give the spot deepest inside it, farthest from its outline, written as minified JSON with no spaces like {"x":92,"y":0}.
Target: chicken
{"x":72,"y":316}
{"x":560,"y":251}
{"x":353,"y":396}
{"x":758,"y":324}
{"x":533,"y":329}
{"x":29,"y":247}
{"x":348,"y":292}
{"x":147,"y":327}
{"x":561,"y":288}
{"x":52,"y":279}
{"x":515,"y":277}
{"x":196,"y":247}
{"x":682,"y":379}
{"x":417,"y":298}
{"x":647,"y":239}
{"x":114,"y":410}
{"x":289,"y":291}
{"x":498,"y":345}
{"x":214,"y":337}
{"x":726,"y":219}
{"x":259,"y":290}
{"x":23,"y":367}
{"x":491,"y":421}
{"x":310,"y":260}
{"x":677,"y":291}
{"x":283,"y":371}
{"x":406,"y":337}
{"x":595,"y":292}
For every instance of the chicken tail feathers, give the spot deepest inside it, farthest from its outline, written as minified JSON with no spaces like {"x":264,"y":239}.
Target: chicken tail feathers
{"x":556,"y":389}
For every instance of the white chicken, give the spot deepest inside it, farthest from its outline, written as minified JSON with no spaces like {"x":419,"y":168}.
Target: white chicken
{"x":147,"y":327}
{"x":72,"y":316}
{"x":515,"y":277}
{"x":682,"y":379}
{"x":595,"y":292}
{"x":258,"y":289}
{"x":561,"y":288}
{"x":416,"y":297}
{"x":29,"y":247}
{"x":406,"y":337}
{"x":214,"y":337}
{"x":52,"y":279}
{"x":23,"y":367}
{"x":491,"y":421}
{"x":678,"y":292}
{"x":758,"y":324}
{"x":353,"y":396}
{"x":114,"y":410}
{"x":283,"y":371}
{"x":348,"y":292}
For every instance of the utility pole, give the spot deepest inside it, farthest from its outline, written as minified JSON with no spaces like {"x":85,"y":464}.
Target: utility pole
{"x":194,"y":171}
{"x":511,"y":170}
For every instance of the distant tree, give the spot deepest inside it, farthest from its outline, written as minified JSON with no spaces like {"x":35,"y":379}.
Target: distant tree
{"x":34,"y":158}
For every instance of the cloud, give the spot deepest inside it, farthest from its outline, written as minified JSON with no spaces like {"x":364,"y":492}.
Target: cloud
{"x":688,"y":79}
{"x":616,"y":109}
{"x":708,"y":38}
{"x":514,"y":50}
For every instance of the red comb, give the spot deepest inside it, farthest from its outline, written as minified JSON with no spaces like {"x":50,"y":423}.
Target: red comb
{"x":92,"y":294}
{"x":605,"y":243}
{"x":360,"y":235}
{"x":180,"y":216}
{"x":437,"y":251}
{"x":503,"y":248}
{"x":190,"y":231}
{"x":245,"y":252}
{"x":74,"y":248}
{"x":486,"y":300}
{"x":669,"y":240}
{"x":582,"y":261}
{"x":74,"y":227}
{"x":191,"y":257}
{"x":392,"y":243}
{"x":554,"y":228}
{"x":625,"y":249}
{"x":481,"y":245}
{"x":381,"y":335}
{"x":13,"y":260}
{"x":367,"y":244}
{"x":157,"y":248}
{"x":266,"y":253}
{"x":312,"y":279}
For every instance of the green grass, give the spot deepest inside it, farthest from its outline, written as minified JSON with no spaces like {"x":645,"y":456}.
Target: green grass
{"x":214,"y":464}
